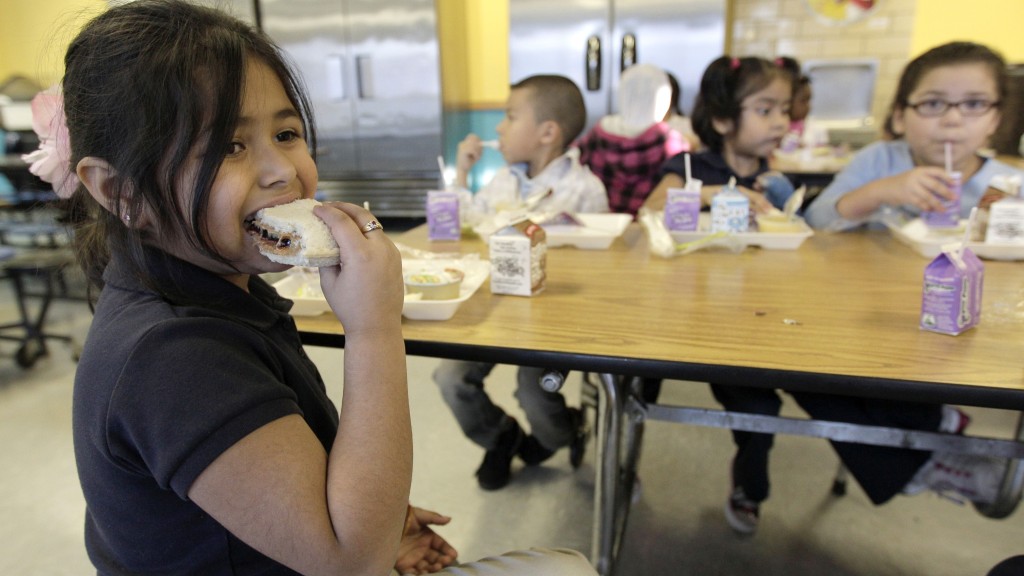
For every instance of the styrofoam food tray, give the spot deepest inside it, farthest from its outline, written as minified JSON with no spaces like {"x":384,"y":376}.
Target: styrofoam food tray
{"x":765,"y":240}
{"x":597,"y":233}
{"x":304,"y":291}
{"x":476,"y":271}
{"x":928,"y":242}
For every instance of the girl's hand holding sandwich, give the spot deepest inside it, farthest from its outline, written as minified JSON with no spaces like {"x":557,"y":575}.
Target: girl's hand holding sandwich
{"x":366,"y":291}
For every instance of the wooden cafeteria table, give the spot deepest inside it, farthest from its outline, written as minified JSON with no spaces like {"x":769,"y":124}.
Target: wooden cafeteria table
{"x":838,"y":315}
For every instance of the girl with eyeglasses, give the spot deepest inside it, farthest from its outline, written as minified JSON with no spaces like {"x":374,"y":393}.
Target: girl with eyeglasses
{"x":908,"y":170}
{"x":950,"y":94}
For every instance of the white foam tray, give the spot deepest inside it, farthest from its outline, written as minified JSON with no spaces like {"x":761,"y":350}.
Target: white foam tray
{"x":476,"y":271}
{"x":597,"y":233}
{"x":304,"y":290}
{"x":928,"y":242}
{"x":765,"y":240}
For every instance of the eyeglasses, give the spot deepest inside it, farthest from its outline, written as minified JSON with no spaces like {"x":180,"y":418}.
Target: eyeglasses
{"x":935,"y":107}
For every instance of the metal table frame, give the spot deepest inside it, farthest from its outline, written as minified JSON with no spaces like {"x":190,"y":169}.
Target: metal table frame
{"x":620,"y":417}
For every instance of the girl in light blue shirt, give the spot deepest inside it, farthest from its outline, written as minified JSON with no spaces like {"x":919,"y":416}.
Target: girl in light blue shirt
{"x":951,"y":97}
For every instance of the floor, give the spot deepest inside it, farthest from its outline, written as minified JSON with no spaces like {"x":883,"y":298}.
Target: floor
{"x":676,"y":525}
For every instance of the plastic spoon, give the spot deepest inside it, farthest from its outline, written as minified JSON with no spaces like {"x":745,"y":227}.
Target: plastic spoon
{"x":536,"y":198}
{"x":794,"y":202}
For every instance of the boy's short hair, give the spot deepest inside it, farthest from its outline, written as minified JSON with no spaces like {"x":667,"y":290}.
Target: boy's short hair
{"x":557,"y":98}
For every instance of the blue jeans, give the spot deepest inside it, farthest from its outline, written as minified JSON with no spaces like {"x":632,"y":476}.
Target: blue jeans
{"x":482,"y":421}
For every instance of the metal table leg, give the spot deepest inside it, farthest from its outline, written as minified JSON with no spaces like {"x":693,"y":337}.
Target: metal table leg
{"x":606,"y":481}
{"x":1012,"y":486}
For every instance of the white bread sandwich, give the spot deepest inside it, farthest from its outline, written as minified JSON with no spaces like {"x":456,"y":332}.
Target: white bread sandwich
{"x":291,"y":234}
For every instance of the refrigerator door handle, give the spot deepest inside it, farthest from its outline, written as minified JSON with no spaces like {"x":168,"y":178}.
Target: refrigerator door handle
{"x":628,"y":50}
{"x":592,"y":63}
{"x":364,"y":76}
{"x":334,"y":75}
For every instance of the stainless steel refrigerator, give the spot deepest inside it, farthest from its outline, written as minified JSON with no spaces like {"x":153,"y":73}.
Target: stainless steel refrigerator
{"x":372,"y":70}
{"x":592,"y":41}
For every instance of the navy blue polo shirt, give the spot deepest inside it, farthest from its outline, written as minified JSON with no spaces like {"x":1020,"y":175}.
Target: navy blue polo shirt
{"x":710,"y":168}
{"x":166,"y":383}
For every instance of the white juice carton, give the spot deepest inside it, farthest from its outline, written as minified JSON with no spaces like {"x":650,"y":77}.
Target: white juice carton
{"x":518,"y":255}
{"x":682,"y":207}
{"x":443,"y":215}
{"x":951,"y":299}
{"x":730,"y":211}
{"x":949,"y":216}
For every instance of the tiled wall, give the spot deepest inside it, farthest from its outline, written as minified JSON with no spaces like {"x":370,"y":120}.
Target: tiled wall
{"x":788,"y":28}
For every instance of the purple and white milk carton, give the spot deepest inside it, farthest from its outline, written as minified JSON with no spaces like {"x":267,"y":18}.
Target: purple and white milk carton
{"x":682,"y":207}
{"x":949,"y":216}
{"x":443,"y":215}
{"x":951,"y":301}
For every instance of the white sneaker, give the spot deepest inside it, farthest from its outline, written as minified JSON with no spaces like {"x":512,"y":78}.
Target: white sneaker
{"x":954,"y":420}
{"x":960,"y":477}
{"x":742,"y":513}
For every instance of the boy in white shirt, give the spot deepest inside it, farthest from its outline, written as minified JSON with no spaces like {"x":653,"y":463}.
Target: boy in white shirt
{"x":543,"y":115}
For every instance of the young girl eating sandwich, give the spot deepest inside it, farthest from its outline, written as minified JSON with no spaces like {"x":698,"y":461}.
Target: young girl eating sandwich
{"x":204,"y":438}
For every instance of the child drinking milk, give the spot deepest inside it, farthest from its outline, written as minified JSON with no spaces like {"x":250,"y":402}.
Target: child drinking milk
{"x":963,"y":76}
{"x":947,"y":99}
{"x":204,"y":439}
{"x":741,"y":114}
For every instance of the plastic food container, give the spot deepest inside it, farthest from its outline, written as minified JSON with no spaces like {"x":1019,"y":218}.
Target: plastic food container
{"x":440,"y":285}
{"x":474,"y":274}
{"x":780,"y":224}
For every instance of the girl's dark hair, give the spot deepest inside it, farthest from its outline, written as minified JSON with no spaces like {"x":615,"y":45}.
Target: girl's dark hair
{"x":790,"y":64}
{"x":726,"y":82}
{"x":149,"y":86}
{"x":949,"y":54}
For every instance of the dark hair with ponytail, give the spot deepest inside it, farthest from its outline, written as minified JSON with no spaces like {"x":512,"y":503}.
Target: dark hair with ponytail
{"x":149,"y":86}
{"x":726,"y":82}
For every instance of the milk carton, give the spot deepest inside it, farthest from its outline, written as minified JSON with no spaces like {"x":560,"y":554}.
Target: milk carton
{"x":518,"y":255}
{"x":682,"y":207}
{"x":443,"y":215}
{"x":949,"y":216}
{"x":1009,"y":217}
{"x":951,"y":300}
{"x":730,"y":210}
{"x":1006,"y":222}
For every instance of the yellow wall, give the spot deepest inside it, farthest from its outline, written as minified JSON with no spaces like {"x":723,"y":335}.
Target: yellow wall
{"x":34,"y":35}
{"x":473,"y":37}
{"x":998,"y":24}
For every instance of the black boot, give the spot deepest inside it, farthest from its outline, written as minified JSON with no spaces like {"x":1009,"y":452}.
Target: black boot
{"x":532,"y":452}
{"x":496,"y":469}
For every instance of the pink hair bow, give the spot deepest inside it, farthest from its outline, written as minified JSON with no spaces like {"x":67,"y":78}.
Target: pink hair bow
{"x":51,"y":162}
{"x":734,"y":63}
